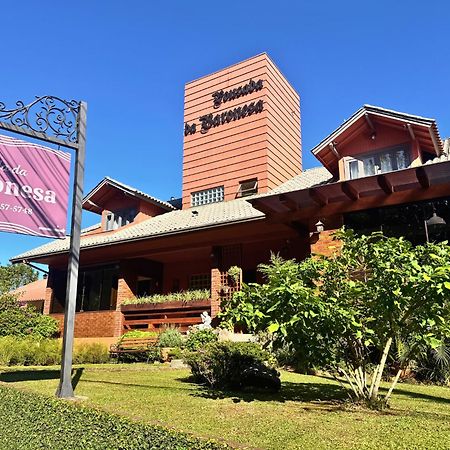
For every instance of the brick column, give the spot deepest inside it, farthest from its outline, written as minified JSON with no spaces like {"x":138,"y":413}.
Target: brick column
{"x":127,"y":282}
{"x":323,"y":243}
{"x":215,"y":289}
{"x":48,"y":299}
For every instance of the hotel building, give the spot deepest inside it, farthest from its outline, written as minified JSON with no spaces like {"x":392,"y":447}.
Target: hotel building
{"x":245,"y":195}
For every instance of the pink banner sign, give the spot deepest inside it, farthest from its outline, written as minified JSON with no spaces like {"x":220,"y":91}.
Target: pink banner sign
{"x":34,"y":188}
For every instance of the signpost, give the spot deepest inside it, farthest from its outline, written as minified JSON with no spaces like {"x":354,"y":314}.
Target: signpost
{"x":55,"y":121}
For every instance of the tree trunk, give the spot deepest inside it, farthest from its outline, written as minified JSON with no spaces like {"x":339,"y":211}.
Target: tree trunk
{"x":376,"y":382}
{"x":394,"y":383}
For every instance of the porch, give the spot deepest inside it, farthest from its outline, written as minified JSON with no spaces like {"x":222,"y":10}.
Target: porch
{"x":142,"y":293}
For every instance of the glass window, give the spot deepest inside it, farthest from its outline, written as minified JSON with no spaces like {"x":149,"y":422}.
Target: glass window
{"x":407,"y":220}
{"x":381,"y":162}
{"x":354,"y":169}
{"x":212,"y":195}
{"x":119,"y":219}
{"x":97,"y":289}
{"x":248,"y":187}
{"x":200,"y":281}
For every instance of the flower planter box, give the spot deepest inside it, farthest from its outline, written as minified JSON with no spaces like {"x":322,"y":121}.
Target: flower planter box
{"x":166,"y":305}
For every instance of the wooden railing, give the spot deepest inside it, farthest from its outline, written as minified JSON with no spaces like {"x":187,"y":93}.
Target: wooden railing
{"x":157,"y":316}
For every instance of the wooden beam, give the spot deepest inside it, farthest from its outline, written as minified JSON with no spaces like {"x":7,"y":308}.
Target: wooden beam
{"x":370,"y":123}
{"x":333,"y":148}
{"x":289,"y":202}
{"x":411,"y":131}
{"x":384,"y":184}
{"x":422,"y":177}
{"x":349,"y":191}
{"x":318,"y":197}
{"x":436,"y":145}
{"x":263,"y":207}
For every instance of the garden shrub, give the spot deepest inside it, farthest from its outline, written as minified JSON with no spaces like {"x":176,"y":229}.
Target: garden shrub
{"x":30,"y":421}
{"x":199,"y":338}
{"x":29,"y":351}
{"x":24,"y":321}
{"x":139,"y":334}
{"x":94,"y":353}
{"x":235,"y":365}
{"x":170,"y":338}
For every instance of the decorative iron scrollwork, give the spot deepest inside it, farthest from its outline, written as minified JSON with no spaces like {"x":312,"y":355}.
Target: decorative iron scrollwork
{"x":49,"y":115}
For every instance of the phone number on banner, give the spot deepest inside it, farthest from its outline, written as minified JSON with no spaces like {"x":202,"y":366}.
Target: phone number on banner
{"x":15,"y":208}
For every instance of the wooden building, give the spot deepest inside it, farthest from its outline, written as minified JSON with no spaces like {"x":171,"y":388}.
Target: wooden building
{"x":244,"y":196}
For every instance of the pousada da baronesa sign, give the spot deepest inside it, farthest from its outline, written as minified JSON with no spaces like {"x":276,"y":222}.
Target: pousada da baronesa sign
{"x":211,"y":120}
{"x":34,"y":188}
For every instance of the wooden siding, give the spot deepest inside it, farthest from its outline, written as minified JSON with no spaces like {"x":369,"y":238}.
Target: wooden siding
{"x":265,"y":145}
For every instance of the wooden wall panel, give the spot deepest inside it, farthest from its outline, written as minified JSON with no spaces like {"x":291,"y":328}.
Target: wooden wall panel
{"x":266,"y":145}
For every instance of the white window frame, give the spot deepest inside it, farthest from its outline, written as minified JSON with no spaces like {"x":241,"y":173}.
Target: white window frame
{"x":349,"y":159}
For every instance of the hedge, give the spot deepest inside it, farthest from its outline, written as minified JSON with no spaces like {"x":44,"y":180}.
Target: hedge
{"x":30,"y":421}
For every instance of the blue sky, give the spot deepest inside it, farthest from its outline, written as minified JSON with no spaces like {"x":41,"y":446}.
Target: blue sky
{"x":130,"y":61}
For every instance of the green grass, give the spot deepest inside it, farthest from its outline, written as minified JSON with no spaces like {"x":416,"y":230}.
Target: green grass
{"x":308,"y":413}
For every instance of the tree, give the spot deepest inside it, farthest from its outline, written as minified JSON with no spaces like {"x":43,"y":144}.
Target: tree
{"x":352,"y":311}
{"x":14,"y":276}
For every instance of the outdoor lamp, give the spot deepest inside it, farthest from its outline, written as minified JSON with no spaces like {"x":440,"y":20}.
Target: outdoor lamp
{"x":432,"y":221}
{"x":319,"y":227}
{"x":435,"y":220}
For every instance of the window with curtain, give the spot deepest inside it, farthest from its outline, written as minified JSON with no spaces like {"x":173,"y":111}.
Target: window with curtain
{"x":381,"y":162}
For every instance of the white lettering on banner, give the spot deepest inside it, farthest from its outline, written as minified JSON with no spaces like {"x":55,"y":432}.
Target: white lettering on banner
{"x":25,"y":191}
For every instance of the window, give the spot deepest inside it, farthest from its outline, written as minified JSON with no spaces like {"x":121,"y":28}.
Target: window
{"x":200,"y":281}
{"x":119,"y":219}
{"x":407,"y":220}
{"x":248,"y":187}
{"x":381,"y":162}
{"x":212,"y":195}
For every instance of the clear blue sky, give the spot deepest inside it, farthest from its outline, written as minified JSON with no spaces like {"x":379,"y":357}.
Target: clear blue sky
{"x":130,"y":60}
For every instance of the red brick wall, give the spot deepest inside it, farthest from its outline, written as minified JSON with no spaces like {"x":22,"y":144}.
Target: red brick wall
{"x":323,"y":243}
{"x":94,"y":323}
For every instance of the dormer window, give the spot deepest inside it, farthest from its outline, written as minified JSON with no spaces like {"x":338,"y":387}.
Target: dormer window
{"x":115,"y":220}
{"x":380,"y":162}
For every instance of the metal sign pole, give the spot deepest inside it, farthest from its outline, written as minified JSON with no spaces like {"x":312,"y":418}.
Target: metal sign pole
{"x":65,"y":388}
{"x":52,"y":119}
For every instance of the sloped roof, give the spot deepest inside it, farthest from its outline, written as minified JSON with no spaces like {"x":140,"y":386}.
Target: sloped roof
{"x":34,"y":291}
{"x":377,"y":110}
{"x":181,"y":221}
{"x":90,"y":200}
{"x":309,"y":178}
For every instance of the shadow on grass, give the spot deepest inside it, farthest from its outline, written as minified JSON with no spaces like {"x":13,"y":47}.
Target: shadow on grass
{"x":298,"y":392}
{"x":39,"y":375}
{"x":302,"y":392}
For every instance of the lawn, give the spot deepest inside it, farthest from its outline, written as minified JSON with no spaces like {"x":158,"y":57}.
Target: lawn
{"x":308,"y":413}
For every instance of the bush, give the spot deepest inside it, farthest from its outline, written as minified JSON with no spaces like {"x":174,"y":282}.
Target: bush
{"x":236,"y":365}
{"x":170,"y":338}
{"x":139,"y":334}
{"x":95,"y":353}
{"x":24,"y":321}
{"x":47,"y":352}
{"x":29,"y":351}
{"x":30,"y":421}
{"x":199,"y":338}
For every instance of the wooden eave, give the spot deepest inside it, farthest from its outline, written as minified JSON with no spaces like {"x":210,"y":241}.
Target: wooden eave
{"x":402,"y":186}
{"x":365,"y":120}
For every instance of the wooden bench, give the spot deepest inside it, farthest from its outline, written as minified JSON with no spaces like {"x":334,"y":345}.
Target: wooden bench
{"x":132,"y":345}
